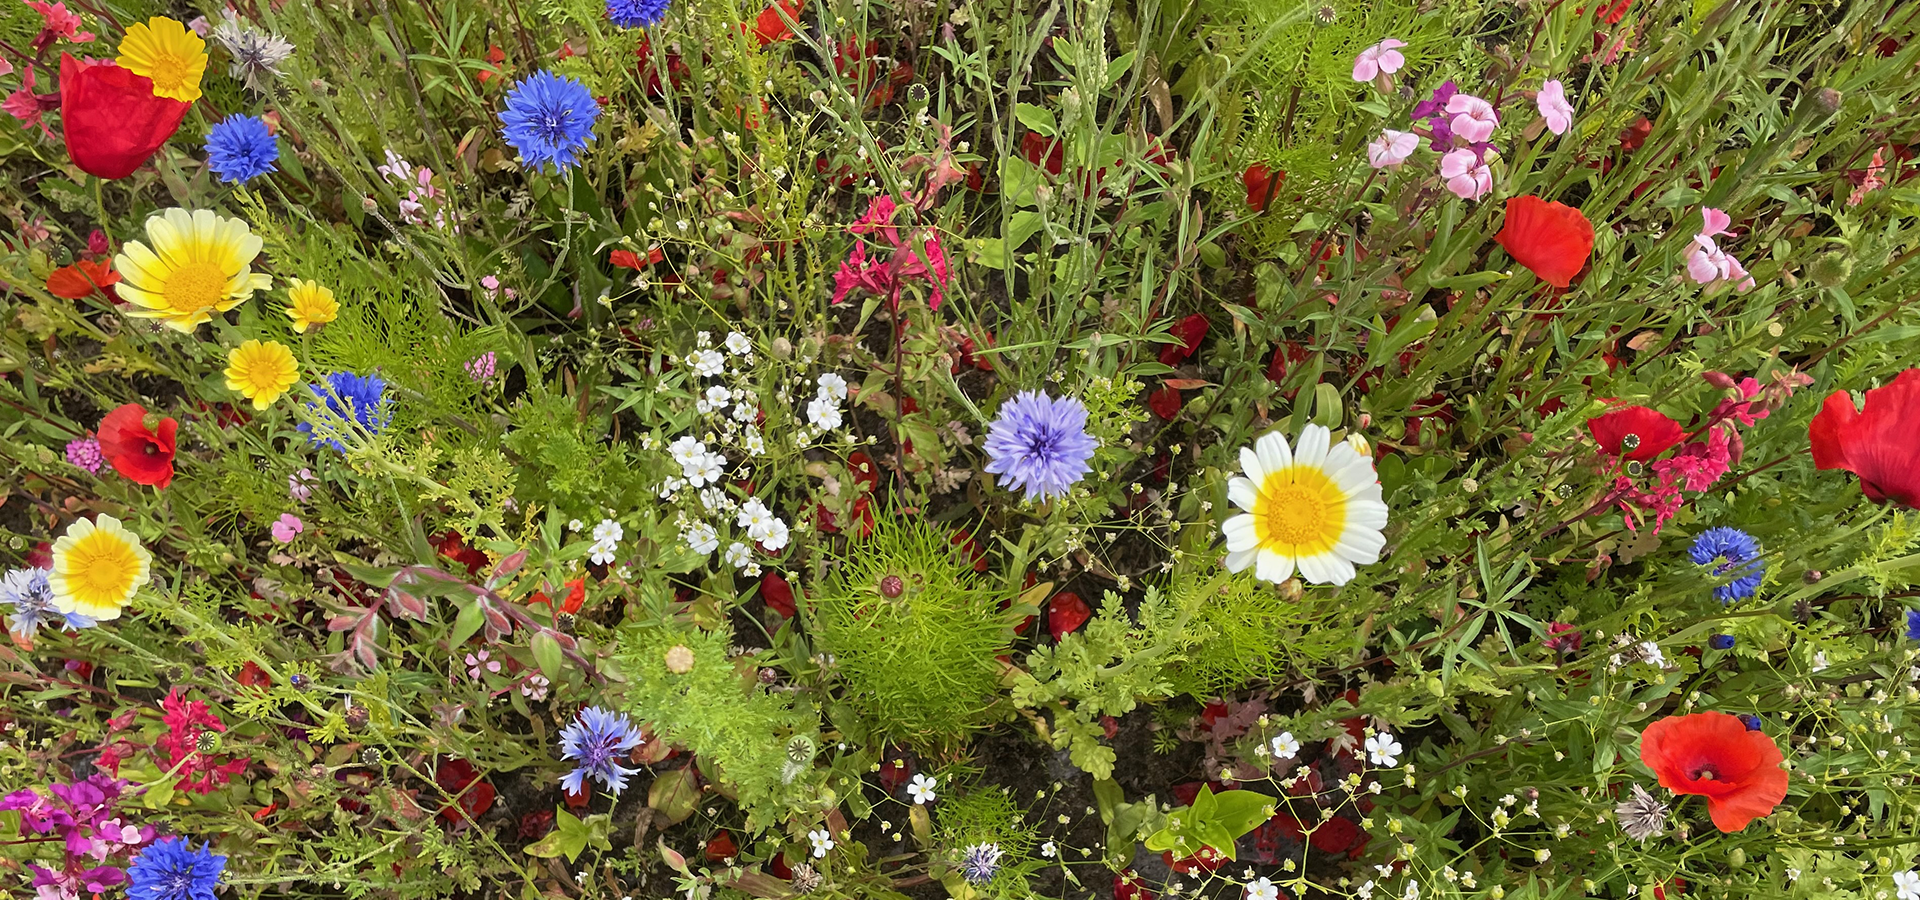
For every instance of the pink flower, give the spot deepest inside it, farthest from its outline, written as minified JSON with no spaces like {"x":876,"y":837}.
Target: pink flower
{"x":1717,"y":222}
{"x":300,"y":485}
{"x":478,"y":661}
{"x":286,"y":527}
{"x":85,"y":453}
{"x":28,"y":107}
{"x":1873,"y":180}
{"x":1554,"y":107}
{"x":1382,"y":57}
{"x":57,"y":23}
{"x":1707,"y":263}
{"x":1392,"y":148}
{"x":1473,"y":118}
{"x":1467,"y":177}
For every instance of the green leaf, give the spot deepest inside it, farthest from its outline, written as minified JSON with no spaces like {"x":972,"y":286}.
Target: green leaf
{"x":568,"y":838}
{"x":1119,"y":66}
{"x":546,"y":654}
{"x":1038,"y":118}
{"x":464,"y":625}
{"x":674,"y":796}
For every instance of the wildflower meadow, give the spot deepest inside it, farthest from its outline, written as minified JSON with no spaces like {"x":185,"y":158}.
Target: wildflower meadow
{"x":974,"y":449}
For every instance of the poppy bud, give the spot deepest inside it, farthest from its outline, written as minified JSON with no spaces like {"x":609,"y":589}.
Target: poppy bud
{"x":357,"y":717}
{"x":892,"y":586}
{"x":207,"y":741}
{"x":1827,"y":101}
{"x":110,"y":118}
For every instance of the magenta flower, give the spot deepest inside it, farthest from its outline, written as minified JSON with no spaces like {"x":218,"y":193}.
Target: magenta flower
{"x":1382,"y":57}
{"x":1552,"y":101}
{"x":85,"y":453}
{"x":286,"y":527}
{"x":1467,"y":176}
{"x":1473,"y":118}
{"x":1391,"y":148}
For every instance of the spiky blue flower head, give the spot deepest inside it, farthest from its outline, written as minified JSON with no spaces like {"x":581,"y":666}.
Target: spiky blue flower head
{"x":549,"y":119}
{"x":1913,"y":624}
{"x":1721,"y":642}
{"x":980,"y":863}
{"x":594,"y":741}
{"x":241,"y":148}
{"x":31,"y":596}
{"x":171,"y":870}
{"x":347,"y":397}
{"x":1750,"y":720}
{"x":636,"y":13}
{"x":1734,"y":551}
{"x":1040,"y":445}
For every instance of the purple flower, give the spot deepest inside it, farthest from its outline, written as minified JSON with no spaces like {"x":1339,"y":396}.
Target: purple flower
{"x":1735,"y":552}
{"x":481,"y":368}
{"x":1040,"y":445}
{"x":981,"y":862}
{"x":1427,"y":109}
{"x":595,"y":740}
{"x":31,"y":596}
{"x":85,"y":453}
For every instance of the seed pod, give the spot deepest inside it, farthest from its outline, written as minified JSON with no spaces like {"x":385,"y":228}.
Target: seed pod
{"x":370,"y":756}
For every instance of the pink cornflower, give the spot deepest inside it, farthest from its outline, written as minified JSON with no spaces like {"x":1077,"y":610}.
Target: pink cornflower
{"x":1473,"y":118}
{"x":1467,"y":176}
{"x":85,"y":453}
{"x":287,"y":527}
{"x":1392,"y":148}
{"x":1553,"y":105}
{"x":1382,"y":57}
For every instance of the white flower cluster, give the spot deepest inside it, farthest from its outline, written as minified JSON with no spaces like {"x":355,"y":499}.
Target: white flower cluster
{"x":606,"y":541}
{"x":707,"y":362}
{"x":823,"y":412}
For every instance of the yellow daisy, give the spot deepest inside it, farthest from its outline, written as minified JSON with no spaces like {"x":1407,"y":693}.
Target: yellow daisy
{"x":167,"y":52}
{"x":197,"y":268}
{"x":97,"y":567}
{"x":1317,"y":509}
{"x":262,"y":372}
{"x":309,"y":304}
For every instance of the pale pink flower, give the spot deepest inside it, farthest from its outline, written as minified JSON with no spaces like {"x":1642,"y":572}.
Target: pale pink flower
{"x":1473,"y":118}
{"x":57,"y":22}
{"x":286,"y":527}
{"x":300,"y":485}
{"x":1707,"y":263}
{"x":1392,"y":148}
{"x":476,"y":662}
{"x":1382,"y":57}
{"x":1554,"y":107}
{"x":1467,"y":177}
{"x":1718,"y":222}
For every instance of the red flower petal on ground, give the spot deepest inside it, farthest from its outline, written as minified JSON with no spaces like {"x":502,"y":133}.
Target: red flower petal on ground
{"x":1165,"y":403}
{"x":81,"y":279}
{"x":1191,"y":331}
{"x":1712,"y":754}
{"x":778,"y":594}
{"x":110,"y":118}
{"x":1881,"y":443}
{"x":1261,"y":184}
{"x":722,"y":848}
{"x":1129,"y":886}
{"x":1652,"y":429}
{"x":1066,"y":613}
{"x":144,"y":455}
{"x":1552,"y":239}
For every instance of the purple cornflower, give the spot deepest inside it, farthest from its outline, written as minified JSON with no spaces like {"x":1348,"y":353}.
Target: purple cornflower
{"x":595,"y":741}
{"x":171,"y":870}
{"x":636,"y":13}
{"x":981,"y":862}
{"x":481,"y":368}
{"x":85,"y":453}
{"x":31,"y":596}
{"x":1721,"y":642}
{"x":1913,"y":624}
{"x":549,"y":120}
{"x":349,"y":399}
{"x":1040,"y":445}
{"x":1735,"y":551}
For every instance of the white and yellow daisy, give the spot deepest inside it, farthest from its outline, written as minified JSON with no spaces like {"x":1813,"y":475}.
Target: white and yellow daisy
{"x":1317,"y":509}
{"x":97,"y":567}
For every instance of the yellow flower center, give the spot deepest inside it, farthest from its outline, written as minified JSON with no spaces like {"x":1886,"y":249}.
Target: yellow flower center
{"x":195,"y":286}
{"x":170,"y":72}
{"x":1300,"y":508}
{"x":102,"y":566}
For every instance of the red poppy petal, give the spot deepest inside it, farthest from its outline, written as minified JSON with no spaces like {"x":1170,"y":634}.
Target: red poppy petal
{"x":110,"y":118}
{"x":1552,"y":239}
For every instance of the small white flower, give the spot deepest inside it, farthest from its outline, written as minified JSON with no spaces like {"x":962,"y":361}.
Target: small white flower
{"x":833,"y":387}
{"x":608,"y":532}
{"x":1542,"y":855}
{"x":686,"y":450}
{"x":753,"y":516}
{"x":743,"y":412}
{"x":740,"y":345}
{"x":602,"y":552}
{"x":702,"y":538}
{"x":670,"y":487}
{"x":1364,"y":891}
{"x":1383,"y":750}
{"x":574,"y":525}
{"x":706,"y":470}
{"x":738,"y":555}
{"x":1284,"y":746}
{"x":1413,"y":890}
{"x":921,"y":790}
{"x":707,"y":363}
{"x":822,"y":842}
{"x":1820,"y":660}
{"x":1049,"y":849}
{"x":1263,"y":889}
{"x":1906,"y":884}
{"x":776,"y":536}
{"x":715,"y":400}
{"x":823,"y":413}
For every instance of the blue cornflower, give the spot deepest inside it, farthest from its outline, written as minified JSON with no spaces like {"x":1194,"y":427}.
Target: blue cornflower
{"x":240,"y":148}
{"x":1750,"y":720}
{"x":549,"y":119}
{"x":1735,"y":551}
{"x":31,"y":596}
{"x":349,"y":398}
{"x":1721,"y":642}
{"x":595,"y":740}
{"x":1913,"y":624}
{"x":980,"y":863}
{"x":1040,"y":444}
{"x":636,"y":13}
{"x":171,"y":870}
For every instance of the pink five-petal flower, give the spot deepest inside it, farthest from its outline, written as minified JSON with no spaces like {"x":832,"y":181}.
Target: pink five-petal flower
{"x":1473,"y":118}
{"x":1552,"y":101}
{"x":1392,"y":148}
{"x":1382,"y":57}
{"x":1717,"y":222}
{"x":286,"y":527}
{"x":1467,"y":177}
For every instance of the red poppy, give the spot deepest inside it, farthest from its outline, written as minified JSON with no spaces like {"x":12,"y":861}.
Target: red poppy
{"x":770,"y":27}
{"x":1261,"y":183}
{"x":143,"y":454}
{"x":495,"y":57}
{"x":1065,"y":613}
{"x":1881,"y":444}
{"x":110,"y":118}
{"x":1552,"y":239}
{"x":721,"y":848}
{"x":1612,"y":12}
{"x":778,"y":594}
{"x":1714,"y":755}
{"x":1042,"y":151}
{"x":1635,"y":432}
{"x":1635,"y":136}
{"x":627,"y":259}
{"x":1165,"y":402}
{"x":452,"y":546}
{"x":81,"y":279}
{"x":576,"y":595}
{"x":1190,"y":331}
{"x":457,"y":777}
{"x":1128,"y":886}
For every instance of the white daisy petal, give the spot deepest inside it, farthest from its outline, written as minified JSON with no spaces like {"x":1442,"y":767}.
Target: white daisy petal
{"x":1362,"y":546}
{"x":1272,"y":566}
{"x":1242,"y":493}
{"x":1273,"y":451}
{"x":1366,"y":513}
{"x":1314,"y":442}
{"x":1250,"y":463}
{"x":1338,"y":571}
{"x":1240,"y":533}
{"x":1239,"y":560}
